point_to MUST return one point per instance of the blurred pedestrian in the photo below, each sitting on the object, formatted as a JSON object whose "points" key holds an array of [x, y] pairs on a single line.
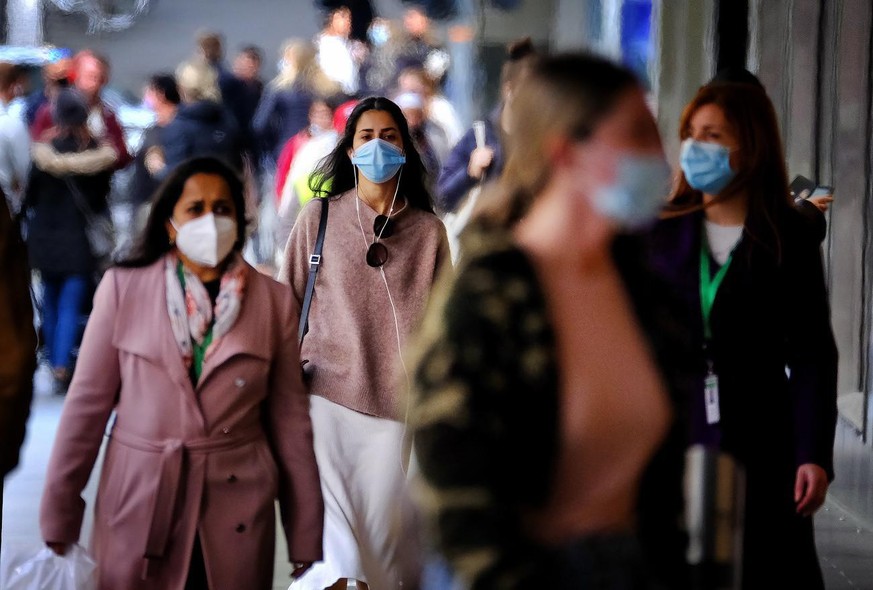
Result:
{"points": [[67, 191], [17, 342], [196, 354], [14, 138], [437, 107], [161, 96], [547, 412], [748, 269], [210, 50], [320, 125], [247, 71], [383, 247], [338, 55], [90, 74], [469, 164], [284, 108], [478, 157], [430, 138], [203, 126], [55, 75], [419, 47], [300, 182]]}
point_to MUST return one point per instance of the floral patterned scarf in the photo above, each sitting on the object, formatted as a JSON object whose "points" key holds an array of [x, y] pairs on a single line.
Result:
{"points": [[190, 309]]}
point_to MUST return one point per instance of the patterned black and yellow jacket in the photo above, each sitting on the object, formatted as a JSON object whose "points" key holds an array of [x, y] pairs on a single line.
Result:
{"points": [[484, 416]]}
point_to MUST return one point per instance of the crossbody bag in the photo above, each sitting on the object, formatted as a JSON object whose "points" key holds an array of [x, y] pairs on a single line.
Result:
{"points": [[314, 264]]}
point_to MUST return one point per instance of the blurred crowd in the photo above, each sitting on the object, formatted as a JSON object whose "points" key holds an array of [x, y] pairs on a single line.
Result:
{"points": [[273, 132]]}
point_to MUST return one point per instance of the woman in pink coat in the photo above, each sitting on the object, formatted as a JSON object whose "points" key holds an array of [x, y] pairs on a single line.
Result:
{"points": [[196, 353]]}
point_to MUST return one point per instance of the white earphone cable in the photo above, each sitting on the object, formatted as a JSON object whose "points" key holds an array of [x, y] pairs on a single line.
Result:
{"points": [[393, 308]]}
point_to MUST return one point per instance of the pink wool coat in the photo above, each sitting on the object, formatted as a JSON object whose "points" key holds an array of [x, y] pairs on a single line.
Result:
{"points": [[183, 460]]}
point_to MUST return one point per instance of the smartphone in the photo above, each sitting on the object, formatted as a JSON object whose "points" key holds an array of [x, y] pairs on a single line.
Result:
{"points": [[821, 191], [802, 187], [479, 133]]}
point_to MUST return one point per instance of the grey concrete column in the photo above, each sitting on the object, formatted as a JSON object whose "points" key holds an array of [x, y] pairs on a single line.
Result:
{"points": [[24, 18], [569, 25], [683, 60]]}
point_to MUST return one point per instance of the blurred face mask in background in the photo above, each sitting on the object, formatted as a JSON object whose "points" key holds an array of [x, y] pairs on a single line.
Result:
{"points": [[378, 34], [707, 166], [206, 240], [638, 192], [378, 160]]}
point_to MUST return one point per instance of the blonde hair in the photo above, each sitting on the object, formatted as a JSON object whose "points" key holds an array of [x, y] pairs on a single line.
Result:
{"points": [[197, 80], [301, 66]]}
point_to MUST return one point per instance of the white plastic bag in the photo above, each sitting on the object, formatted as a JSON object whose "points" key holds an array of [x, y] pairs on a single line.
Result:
{"points": [[45, 570]]}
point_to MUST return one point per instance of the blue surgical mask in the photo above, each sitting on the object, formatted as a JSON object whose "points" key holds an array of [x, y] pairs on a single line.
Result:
{"points": [[378, 34], [378, 160], [707, 166], [638, 192]]}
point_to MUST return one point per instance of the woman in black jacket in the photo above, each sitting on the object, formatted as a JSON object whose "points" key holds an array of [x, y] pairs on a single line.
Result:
{"points": [[69, 182], [748, 267]]}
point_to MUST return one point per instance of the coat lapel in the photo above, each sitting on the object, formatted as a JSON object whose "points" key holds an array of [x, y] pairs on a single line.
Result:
{"points": [[144, 329], [247, 336]]}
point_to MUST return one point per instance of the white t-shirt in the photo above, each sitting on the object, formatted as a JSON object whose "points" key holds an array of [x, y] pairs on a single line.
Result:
{"points": [[336, 61], [722, 239]]}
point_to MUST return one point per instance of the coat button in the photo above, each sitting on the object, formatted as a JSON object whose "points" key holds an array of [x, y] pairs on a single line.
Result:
{"points": [[231, 478], [239, 382], [240, 528]]}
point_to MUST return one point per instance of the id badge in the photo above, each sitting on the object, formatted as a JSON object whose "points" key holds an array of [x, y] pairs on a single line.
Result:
{"points": [[710, 395]]}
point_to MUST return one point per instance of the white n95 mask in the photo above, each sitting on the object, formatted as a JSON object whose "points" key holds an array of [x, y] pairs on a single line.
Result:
{"points": [[206, 240]]}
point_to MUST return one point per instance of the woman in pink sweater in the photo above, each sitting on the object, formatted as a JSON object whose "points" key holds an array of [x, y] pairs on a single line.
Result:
{"points": [[383, 248]]}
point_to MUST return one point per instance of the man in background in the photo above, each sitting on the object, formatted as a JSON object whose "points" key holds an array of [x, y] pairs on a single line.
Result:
{"points": [[90, 75], [161, 96]]}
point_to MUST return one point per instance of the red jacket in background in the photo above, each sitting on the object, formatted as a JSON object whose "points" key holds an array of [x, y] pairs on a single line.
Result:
{"points": [[44, 121]]}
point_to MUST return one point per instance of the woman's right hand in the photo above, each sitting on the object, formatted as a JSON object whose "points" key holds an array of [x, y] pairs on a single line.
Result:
{"points": [[480, 159], [58, 548]]}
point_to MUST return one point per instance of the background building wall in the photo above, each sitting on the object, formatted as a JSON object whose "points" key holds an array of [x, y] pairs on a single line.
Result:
{"points": [[814, 58]]}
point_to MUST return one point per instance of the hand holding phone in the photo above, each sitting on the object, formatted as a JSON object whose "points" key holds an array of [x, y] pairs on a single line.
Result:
{"points": [[821, 196], [802, 187]]}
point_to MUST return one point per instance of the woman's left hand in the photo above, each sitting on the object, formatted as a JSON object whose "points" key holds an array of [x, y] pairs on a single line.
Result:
{"points": [[300, 568], [810, 488]]}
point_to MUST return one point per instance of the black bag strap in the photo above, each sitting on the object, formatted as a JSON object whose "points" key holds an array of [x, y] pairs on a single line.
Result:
{"points": [[80, 201], [314, 263]]}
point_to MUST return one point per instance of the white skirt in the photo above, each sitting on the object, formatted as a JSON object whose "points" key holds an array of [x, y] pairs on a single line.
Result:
{"points": [[370, 527]]}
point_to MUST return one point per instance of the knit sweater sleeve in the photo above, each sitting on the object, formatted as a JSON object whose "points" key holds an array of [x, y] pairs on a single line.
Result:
{"points": [[478, 384]]}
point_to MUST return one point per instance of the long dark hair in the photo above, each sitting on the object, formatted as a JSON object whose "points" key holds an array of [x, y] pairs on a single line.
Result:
{"points": [[563, 94], [762, 175], [155, 241], [335, 174]]}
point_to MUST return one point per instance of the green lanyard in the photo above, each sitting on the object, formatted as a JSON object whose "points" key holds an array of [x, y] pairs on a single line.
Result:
{"points": [[198, 350], [709, 285]]}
